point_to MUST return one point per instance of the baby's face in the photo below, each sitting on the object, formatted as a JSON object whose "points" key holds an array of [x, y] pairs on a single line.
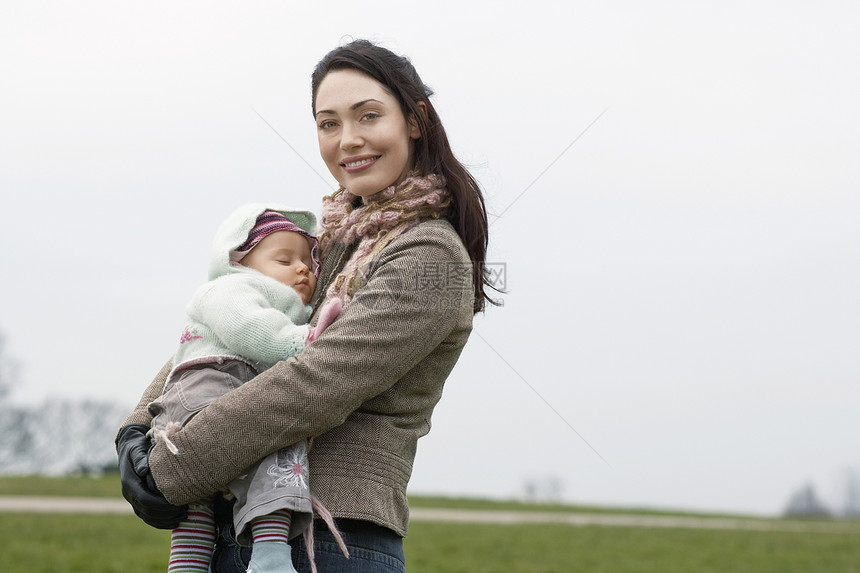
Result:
{"points": [[286, 257]]}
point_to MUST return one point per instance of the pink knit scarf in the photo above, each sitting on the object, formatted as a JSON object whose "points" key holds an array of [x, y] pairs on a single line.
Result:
{"points": [[382, 217]]}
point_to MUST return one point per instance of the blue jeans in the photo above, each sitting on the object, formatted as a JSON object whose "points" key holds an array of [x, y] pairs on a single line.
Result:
{"points": [[372, 549]]}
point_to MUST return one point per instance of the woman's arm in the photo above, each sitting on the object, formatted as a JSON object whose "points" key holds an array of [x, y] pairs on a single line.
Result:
{"points": [[391, 324], [133, 446], [140, 415]]}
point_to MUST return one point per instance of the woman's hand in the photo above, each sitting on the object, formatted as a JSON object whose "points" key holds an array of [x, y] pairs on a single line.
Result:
{"points": [[138, 487]]}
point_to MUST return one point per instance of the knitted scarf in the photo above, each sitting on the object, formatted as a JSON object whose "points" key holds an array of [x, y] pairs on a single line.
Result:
{"points": [[382, 217]]}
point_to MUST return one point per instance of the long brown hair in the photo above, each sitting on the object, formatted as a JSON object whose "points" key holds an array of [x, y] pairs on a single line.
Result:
{"points": [[433, 153]]}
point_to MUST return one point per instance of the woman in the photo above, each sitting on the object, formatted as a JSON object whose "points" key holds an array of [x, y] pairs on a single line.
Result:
{"points": [[404, 244]]}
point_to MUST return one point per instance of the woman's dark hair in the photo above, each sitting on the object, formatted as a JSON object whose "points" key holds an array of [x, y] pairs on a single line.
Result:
{"points": [[433, 153]]}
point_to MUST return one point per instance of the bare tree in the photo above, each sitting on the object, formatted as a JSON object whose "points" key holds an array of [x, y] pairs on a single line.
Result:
{"points": [[805, 503], [75, 436], [61, 436], [851, 494], [8, 371], [15, 442], [547, 489]]}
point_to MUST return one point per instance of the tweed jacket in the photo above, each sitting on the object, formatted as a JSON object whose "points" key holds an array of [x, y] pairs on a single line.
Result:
{"points": [[364, 391]]}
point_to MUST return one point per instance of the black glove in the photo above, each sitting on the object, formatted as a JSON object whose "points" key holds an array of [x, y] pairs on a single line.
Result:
{"points": [[138, 487]]}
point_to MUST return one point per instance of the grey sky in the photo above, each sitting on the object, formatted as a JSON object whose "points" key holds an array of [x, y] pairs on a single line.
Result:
{"points": [[682, 280]]}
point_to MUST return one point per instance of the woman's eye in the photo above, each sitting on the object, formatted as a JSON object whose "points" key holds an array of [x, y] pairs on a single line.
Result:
{"points": [[371, 115], [328, 124]]}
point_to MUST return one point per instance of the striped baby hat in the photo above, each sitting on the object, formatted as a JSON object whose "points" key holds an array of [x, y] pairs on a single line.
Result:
{"points": [[271, 222]]}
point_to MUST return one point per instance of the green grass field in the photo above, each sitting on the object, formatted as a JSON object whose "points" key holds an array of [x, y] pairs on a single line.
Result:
{"points": [[121, 543]]}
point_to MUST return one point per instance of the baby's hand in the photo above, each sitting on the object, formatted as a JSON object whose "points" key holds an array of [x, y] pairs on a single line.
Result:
{"points": [[330, 311]]}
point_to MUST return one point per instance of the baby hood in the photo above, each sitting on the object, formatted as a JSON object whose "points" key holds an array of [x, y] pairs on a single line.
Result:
{"points": [[235, 228]]}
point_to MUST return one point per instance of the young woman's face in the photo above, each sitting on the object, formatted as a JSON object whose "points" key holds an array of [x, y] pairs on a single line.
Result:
{"points": [[365, 140]]}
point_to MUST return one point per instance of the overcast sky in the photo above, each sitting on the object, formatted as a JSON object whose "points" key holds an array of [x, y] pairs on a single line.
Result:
{"points": [[674, 191]]}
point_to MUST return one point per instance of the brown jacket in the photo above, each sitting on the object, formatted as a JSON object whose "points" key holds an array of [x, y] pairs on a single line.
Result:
{"points": [[365, 390]]}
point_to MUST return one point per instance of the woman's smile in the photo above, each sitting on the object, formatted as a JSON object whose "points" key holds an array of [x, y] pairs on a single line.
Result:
{"points": [[357, 164]]}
